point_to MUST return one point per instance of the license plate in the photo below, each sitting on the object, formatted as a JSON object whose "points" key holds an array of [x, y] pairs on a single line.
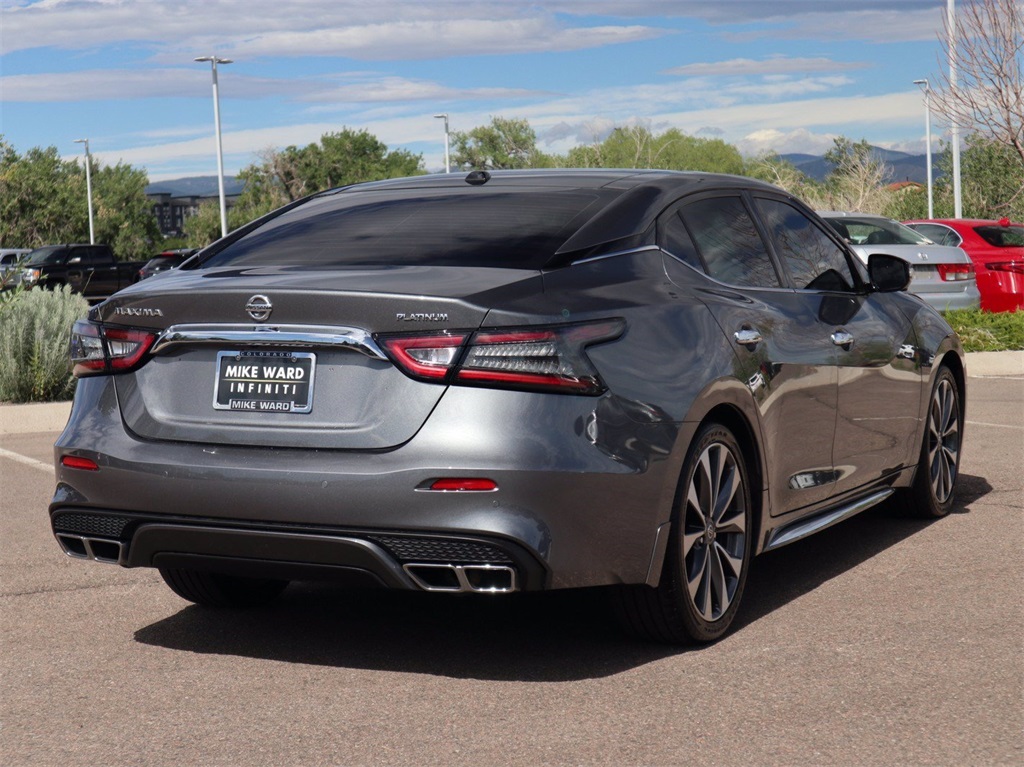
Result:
{"points": [[265, 381]]}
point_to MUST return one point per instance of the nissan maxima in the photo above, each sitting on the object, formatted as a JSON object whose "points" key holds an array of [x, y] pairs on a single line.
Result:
{"points": [[507, 382]]}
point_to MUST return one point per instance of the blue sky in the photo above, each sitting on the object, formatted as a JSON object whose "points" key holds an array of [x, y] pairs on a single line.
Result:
{"points": [[782, 75]]}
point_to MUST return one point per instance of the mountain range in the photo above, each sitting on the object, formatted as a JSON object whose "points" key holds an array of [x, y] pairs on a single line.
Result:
{"points": [[195, 186], [905, 167]]}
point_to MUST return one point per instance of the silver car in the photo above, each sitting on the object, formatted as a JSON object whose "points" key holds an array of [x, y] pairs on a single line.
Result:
{"points": [[505, 382], [942, 275], [10, 266]]}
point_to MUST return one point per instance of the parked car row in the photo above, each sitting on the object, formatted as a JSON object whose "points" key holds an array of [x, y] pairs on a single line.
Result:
{"points": [[91, 270], [942, 275], [997, 250], [162, 262]]}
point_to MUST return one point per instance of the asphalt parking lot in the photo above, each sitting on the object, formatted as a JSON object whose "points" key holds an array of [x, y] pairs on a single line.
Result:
{"points": [[885, 640]]}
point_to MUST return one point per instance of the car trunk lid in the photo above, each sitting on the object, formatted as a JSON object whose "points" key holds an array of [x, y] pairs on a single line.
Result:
{"points": [[280, 357]]}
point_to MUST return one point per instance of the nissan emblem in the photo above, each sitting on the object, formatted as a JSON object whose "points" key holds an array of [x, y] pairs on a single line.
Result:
{"points": [[259, 308]]}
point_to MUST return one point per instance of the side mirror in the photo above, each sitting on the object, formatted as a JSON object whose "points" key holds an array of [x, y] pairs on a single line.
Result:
{"points": [[75, 260], [888, 274]]}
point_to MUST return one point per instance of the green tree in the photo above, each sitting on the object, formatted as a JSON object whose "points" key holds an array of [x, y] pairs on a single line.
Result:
{"points": [[637, 147], [124, 215], [42, 198], [43, 201], [773, 169], [857, 181], [505, 144], [906, 203], [281, 176], [992, 180]]}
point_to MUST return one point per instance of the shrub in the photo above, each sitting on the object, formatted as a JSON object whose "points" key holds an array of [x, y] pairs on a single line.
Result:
{"points": [[988, 331], [35, 329]]}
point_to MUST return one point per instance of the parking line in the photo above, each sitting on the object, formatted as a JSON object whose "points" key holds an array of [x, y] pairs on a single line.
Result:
{"points": [[996, 425], [47, 467]]}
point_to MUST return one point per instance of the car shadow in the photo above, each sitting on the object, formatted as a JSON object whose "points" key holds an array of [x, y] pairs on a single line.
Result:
{"points": [[543, 637]]}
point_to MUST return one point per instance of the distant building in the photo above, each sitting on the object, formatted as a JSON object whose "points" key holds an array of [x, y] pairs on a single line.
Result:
{"points": [[171, 211]]}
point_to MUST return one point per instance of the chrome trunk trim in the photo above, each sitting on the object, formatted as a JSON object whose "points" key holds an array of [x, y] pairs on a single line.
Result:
{"points": [[279, 336]]}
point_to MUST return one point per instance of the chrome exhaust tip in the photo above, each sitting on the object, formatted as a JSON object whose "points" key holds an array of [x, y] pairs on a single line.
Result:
{"points": [[477, 579], [96, 549]]}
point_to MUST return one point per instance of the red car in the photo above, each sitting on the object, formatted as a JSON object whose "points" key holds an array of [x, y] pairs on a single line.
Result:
{"points": [[997, 250]]}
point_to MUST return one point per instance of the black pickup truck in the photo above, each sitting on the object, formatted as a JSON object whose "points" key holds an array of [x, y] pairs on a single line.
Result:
{"points": [[90, 270]]}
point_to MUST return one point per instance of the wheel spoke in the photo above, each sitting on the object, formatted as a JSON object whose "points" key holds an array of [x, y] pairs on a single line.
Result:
{"points": [[717, 587], [689, 539], [735, 563], [694, 507], [726, 493], [697, 583]]}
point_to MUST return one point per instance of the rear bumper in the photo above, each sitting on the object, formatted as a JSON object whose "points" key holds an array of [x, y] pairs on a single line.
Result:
{"points": [[367, 558], [571, 509], [968, 298]]}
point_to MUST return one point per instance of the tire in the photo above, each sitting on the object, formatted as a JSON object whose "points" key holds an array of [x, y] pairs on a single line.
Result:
{"points": [[709, 552], [931, 495], [217, 590]]}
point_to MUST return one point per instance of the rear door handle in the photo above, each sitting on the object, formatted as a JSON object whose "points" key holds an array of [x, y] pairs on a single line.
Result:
{"points": [[842, 338], [747, 337]]}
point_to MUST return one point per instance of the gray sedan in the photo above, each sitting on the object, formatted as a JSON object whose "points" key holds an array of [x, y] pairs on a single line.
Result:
{"points": [[506, 382], [942, 275]]}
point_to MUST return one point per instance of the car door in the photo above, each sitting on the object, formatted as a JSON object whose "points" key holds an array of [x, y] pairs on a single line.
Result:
{"points": [[878, 372], [780, 351]]}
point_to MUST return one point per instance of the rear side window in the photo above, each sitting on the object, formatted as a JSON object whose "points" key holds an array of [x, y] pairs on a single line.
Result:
{"points": [[673, 238], [518, 228], [728, 243], [813, 259], [940, 235]]}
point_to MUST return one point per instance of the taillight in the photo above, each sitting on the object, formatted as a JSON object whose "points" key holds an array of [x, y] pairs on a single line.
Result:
{"points": [[1017, 267], [536, 358], [956, 272], [428, 357], [96, 350]]}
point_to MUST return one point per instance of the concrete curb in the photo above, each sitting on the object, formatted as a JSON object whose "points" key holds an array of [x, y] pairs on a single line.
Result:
{"points": [[52, 416]]}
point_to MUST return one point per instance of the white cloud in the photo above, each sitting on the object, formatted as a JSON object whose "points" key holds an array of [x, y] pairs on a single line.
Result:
{"points": [[98, 85], [772, 65], [800, 141], [369, 89], [102, 84], [392, 29], [434, 39]]}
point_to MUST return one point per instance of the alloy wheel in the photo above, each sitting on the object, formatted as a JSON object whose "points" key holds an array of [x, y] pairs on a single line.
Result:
{"points": [[714, 531], [943, 440]]}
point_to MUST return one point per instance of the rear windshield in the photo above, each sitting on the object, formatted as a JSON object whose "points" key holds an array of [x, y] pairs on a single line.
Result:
{"points": [[512, 228], [876, 231], [1002, 236]]}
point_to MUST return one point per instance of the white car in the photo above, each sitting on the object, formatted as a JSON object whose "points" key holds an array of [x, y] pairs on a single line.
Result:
{"points": [[942, 275]]}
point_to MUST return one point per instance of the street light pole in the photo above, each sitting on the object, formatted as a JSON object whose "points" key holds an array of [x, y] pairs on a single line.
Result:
{"points": [[958, 206], [88, 187], [923, 84], [214, 61], [447, 161]]}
